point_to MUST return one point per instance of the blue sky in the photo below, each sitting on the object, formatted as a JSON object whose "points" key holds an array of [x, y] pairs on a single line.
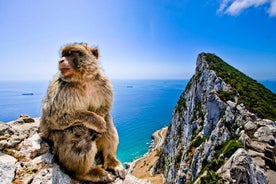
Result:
{"points": [[137, 39]]}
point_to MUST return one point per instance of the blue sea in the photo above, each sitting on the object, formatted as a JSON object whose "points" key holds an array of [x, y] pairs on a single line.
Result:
{"points": [[140, 108]]}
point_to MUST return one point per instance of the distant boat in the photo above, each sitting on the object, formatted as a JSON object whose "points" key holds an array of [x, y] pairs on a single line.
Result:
{"points": [[129, 86], [27, 93]]}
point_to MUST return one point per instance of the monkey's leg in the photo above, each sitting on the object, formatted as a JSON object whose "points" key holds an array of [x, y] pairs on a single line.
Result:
{"points": [[85, 170], [76, 153], [107, 144]]}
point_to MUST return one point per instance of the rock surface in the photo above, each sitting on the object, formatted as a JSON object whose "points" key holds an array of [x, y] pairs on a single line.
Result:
{"points": [[7, 168], [25, 158], [241, 168], [206, 131]]}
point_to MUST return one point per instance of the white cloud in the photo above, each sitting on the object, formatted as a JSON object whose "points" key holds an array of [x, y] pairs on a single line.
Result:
{"points": [[235, 7], [239, 5], [223, 5], [272, 8]]}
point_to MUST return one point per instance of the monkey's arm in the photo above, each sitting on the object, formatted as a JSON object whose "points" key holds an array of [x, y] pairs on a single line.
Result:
{"points": [[86, 118], [43, 128]]}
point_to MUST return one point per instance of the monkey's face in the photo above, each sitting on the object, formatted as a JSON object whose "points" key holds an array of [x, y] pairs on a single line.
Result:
{"points": [[69, 64], [77, 61]]}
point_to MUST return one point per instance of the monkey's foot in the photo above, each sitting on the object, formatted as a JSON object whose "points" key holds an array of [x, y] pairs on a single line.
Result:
{"points": [[114, 165], [97, 175], [120, 171]]}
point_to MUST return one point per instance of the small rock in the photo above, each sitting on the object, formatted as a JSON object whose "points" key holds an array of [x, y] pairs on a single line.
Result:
{"points": [[7, 168], [44, 176], [8, 136], [23, 118], [245, 139], [250, 126], [231, 104], [265, 134], [240, 108]]}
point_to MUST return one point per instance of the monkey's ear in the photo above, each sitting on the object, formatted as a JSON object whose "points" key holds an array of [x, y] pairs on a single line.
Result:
{"points": [[95, 52]]}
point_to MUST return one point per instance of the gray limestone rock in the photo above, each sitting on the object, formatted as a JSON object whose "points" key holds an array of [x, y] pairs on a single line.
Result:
{"points": [[7, 168], [266, 133], [34, 163], [241, 168], [201, 126]]}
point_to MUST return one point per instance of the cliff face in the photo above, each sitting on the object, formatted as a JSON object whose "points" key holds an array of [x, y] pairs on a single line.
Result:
{"points": [[213, 136]]}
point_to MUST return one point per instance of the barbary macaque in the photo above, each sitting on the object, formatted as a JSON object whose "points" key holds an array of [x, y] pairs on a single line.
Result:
{"points": [[76, 116]]}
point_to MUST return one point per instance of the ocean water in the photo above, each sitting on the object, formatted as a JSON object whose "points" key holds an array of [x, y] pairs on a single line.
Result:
{"points": [[140, 108]]}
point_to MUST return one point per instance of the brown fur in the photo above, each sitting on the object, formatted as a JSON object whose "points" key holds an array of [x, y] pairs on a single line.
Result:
{"points": [[76, 116]]}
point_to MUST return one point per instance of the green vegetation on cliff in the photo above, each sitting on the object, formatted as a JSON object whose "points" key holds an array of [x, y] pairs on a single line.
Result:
{"points": [[252, 94]]}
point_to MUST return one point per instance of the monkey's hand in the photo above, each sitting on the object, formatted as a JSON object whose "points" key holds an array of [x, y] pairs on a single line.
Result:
{"points": [[88, 119]]}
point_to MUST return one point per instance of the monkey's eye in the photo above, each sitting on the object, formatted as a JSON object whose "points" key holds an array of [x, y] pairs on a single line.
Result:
{"points": [[79, 53], [72, 52], [67, 54]]}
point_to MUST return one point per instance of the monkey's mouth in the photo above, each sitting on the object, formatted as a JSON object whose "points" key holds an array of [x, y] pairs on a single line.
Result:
{"points": [[64, 68], [66, 71]]}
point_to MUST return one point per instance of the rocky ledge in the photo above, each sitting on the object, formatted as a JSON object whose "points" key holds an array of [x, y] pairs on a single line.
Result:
{"points": [[25, 158]]}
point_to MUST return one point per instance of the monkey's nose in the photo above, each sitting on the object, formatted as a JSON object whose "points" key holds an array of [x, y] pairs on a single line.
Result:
{"points": [[61, 61]]}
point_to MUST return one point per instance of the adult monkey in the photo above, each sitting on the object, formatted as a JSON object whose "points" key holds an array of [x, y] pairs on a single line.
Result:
{"points": [[76, 116]]}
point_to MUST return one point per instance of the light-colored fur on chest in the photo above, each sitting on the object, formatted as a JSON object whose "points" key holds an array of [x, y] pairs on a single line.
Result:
{"points": [[90, 96], [97, 94], [67, 98]]}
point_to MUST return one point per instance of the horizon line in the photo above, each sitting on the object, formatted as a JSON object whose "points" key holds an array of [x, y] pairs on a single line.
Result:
{"points": [[34, 80]]}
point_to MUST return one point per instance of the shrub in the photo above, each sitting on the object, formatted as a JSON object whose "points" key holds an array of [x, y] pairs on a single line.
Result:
{"points": [[211, 178], [226, 95], [230, 147], [181, 104], [252, 94]]}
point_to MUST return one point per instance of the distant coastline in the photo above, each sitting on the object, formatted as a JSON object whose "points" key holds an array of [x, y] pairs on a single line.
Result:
{"points": [[141, 170]]}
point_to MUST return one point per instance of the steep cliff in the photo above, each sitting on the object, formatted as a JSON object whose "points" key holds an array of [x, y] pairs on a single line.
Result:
{"points": [[217, 132]]}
